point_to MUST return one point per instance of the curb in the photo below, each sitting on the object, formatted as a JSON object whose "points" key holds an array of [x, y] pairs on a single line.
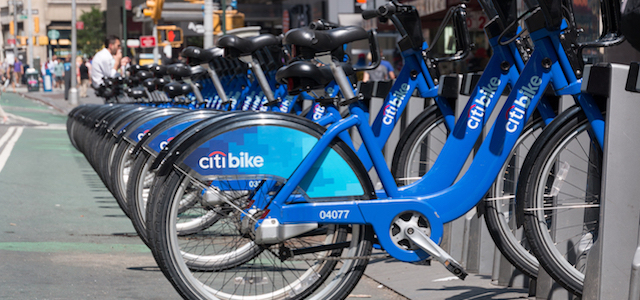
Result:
{"points": [[48, 103]]}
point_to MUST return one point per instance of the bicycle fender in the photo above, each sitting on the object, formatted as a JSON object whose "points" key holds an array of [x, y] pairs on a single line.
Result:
{"points": [[274, 145]]}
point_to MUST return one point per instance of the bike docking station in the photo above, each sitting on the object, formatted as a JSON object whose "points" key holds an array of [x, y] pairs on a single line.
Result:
{"points": [[613, 263]]}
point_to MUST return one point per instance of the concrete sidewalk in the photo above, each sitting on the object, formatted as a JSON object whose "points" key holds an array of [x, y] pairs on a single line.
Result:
{"points": [[385, 278], [56, 99]]}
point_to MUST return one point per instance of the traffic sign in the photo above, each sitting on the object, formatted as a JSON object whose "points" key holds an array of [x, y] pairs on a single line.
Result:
{"points": [[53, 34], [147, 41], [79, 25], [133, 43], [11, 41]]}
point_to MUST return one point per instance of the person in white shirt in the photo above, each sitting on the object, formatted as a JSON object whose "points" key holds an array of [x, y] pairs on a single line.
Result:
{"points": [[107, 61]]}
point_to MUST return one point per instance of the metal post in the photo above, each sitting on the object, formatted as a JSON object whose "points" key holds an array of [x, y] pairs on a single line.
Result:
{"points": [[223, 17], [124, 28], [73, 91], [15, 30], [155, 49], [609, 265], [208, 24], [30, 36]]}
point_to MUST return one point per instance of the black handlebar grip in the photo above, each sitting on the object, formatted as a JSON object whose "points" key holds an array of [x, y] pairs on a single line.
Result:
{"points": [[369, 14]]}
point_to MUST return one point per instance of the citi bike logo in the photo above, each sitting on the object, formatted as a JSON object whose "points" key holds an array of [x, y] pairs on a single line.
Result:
{"points": [[248, 101], [477, 109], [391, 109], [318, 112], [517, 111], [258, 101], [165, 143], [284, 106], [221, 160], [141, 134]]}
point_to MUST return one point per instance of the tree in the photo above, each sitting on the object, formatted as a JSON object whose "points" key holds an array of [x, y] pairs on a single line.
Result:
{"points": [[91, 38]]}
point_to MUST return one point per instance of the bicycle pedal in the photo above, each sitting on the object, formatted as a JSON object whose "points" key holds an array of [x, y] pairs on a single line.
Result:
{"points": [[455, 268]]}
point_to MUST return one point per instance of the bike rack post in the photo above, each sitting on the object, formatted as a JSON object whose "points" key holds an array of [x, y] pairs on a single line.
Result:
{"points": [[609, 265], [633, 85]]}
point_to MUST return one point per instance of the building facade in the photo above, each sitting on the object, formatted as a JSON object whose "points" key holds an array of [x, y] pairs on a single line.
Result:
{"points": [[46, 16]]}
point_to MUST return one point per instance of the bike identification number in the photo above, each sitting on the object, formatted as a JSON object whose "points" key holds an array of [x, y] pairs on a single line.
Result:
{"points": [[334, 214]]}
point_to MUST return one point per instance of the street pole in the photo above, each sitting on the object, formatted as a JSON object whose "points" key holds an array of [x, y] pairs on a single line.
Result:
{"points": [[155, 49], [30, 36], [124, 28], [208, 24], [73, 92], [223, 22], [15, 29]]}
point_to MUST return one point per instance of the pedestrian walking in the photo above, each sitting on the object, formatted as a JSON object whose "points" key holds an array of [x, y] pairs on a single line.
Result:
{"points": [[58, 73], [83, 76], [18, 70]]}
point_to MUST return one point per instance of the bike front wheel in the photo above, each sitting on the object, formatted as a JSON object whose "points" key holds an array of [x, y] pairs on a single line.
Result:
{"points": [[561, 191], [500, 210]]}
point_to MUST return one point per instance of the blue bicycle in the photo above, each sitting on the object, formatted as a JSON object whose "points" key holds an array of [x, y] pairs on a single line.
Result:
{"points": [[304, 213]]}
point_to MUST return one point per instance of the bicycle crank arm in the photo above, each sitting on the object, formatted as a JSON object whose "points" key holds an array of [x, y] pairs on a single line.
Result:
{"points": [[425, 243]]}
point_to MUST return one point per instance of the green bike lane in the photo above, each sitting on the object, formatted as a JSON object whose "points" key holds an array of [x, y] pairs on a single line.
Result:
{"points": [[62, 235]]}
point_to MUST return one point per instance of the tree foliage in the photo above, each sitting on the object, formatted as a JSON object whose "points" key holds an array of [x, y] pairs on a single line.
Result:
{"points": [[91, 38]]}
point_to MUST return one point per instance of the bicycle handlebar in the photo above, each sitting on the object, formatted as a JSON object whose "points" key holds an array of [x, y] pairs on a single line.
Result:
{"points": [[375, 52], [386, 11]]}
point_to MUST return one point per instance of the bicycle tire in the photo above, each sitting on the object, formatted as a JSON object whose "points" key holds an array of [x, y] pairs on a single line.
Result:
{"points": [[499, 210], [405, 166], [120, 173], [137, 192], [291, 283], [564, 149]]}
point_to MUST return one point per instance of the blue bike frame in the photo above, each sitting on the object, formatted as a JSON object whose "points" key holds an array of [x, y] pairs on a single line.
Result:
{"points": [[450, 203]]}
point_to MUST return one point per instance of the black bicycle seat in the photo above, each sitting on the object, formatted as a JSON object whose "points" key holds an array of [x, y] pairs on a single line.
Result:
{"points": [[197, 71], [196, 55], [158, 70], [136, 92], [133, 69], [303, 76], [235, 46], [179, 70], [175, 89], [161, 82], [324, 40], [150, 84], [144, 75], [131, 81]]}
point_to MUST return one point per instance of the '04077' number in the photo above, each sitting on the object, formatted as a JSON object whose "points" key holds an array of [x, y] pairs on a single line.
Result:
{"points": [[334, 214]]}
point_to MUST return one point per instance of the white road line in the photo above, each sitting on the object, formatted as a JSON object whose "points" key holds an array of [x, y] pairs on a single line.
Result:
{"points": [[6, 136], [26, 120], [51, 127], [4, 155]]}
